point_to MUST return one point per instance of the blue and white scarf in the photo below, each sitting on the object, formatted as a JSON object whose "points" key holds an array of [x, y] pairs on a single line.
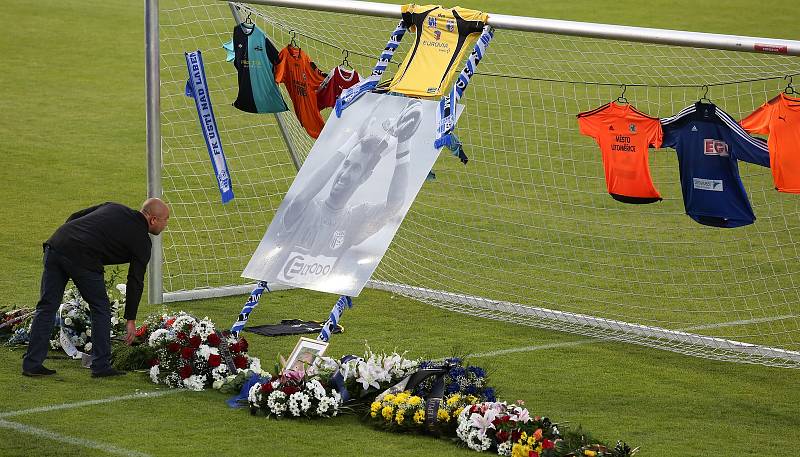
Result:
{"points": [[333, 318], [248, 307], [446, 114], [197, 88]]}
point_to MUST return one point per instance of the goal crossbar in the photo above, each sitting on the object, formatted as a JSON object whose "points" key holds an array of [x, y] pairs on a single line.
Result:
{"points": [[572, 28]]}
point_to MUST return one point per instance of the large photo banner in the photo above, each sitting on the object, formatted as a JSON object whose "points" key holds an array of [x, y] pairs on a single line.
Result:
{"points": [[350, 196]]}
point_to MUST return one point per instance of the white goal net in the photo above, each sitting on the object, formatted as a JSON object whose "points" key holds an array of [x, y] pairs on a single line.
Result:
{"points": [[525, 232]]}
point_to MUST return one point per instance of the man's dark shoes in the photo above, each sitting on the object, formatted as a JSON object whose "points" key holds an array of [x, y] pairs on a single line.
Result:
{"points": [[108, 373], [40, 371]]}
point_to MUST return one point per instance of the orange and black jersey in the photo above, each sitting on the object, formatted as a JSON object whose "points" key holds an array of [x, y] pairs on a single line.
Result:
{"points": [[624, 134]]}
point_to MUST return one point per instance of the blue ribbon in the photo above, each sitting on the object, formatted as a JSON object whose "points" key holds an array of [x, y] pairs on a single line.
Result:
{"points": [[337, 380], [240, 400], [248, 307], [333, 319], [197, 88]]}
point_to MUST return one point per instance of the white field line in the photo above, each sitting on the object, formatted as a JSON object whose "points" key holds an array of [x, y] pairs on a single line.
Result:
{"points": [[534, 348], [44, 409], [757, 320], [42, 433], [595, 340]]}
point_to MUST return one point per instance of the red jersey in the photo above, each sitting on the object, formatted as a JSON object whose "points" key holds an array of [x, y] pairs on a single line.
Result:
{"points": [[624, 134], [302, 78], [780, 119], [338, 80]]}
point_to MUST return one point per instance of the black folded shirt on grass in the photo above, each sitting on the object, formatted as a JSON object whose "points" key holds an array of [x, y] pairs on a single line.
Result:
{"points": [[290, 327]]}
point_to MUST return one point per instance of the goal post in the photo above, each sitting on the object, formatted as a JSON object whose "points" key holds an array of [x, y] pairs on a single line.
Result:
{"points": [[526, 231], [153, 122]]}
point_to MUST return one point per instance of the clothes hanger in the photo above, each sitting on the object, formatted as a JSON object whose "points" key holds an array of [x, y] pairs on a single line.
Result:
{"points": [[248, 22], [621, 98], [247, 25], [704, 98], [789, 88], [344, 61], [292, 42]]}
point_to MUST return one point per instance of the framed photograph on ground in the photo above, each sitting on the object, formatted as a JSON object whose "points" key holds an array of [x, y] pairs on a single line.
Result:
{"points": [[304, 353]]}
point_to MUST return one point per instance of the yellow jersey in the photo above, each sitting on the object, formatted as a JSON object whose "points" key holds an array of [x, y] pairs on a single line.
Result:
{"points": [[443, 36]]}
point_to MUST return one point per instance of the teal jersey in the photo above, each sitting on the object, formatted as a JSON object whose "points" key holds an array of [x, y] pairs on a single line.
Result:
{"points": [[254, 57]]}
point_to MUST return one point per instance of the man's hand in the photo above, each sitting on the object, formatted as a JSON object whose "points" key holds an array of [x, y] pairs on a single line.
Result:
{"points": [[408, 121], [130, 334]]}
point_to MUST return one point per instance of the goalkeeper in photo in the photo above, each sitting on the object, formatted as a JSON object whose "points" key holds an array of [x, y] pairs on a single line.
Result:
{"points": [[340, 204]]}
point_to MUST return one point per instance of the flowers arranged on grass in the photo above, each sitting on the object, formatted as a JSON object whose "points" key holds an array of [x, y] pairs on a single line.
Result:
{"points": [[190, 353], [76, 321], [14, 326], [9, 318], [431, 398], [362, 377], [444, 397], [323, 387], [294, 394], [468, 412], [467, 380], [509, 429], [405, 411], [74, 318], [233, 383]]}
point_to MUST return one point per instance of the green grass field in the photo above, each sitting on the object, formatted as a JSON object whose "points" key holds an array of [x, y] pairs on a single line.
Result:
{"points": [[528, 220], [74, 135]]}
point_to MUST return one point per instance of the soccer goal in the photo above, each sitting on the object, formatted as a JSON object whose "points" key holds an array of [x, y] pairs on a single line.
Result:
{"points": [[525, 231]]}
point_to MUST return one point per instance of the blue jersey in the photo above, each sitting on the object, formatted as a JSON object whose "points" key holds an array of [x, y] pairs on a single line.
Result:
{"points": [[709, 142]]}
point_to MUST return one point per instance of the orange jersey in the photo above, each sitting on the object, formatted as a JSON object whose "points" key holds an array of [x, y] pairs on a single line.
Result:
{"points": [[780, 119], [302, 78], [624, 134]]}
